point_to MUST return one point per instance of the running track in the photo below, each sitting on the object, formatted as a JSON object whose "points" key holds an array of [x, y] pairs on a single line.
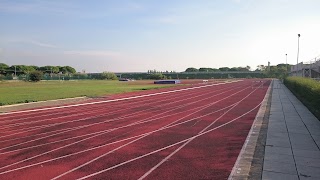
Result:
{"points": [[193, 132]]}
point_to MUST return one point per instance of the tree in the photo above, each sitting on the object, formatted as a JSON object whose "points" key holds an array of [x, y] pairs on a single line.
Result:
{"points": [[224, 69], [22, 69], [63, 69], [234, 69], [35, 76], [191, 69], [3, 68], [157, 76], [204, 69], [70, 69], [50, 69], [108, 76], [260, 68]]}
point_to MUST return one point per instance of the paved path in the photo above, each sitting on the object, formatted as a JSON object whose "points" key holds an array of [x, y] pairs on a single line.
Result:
{"points": [[293, 139]]}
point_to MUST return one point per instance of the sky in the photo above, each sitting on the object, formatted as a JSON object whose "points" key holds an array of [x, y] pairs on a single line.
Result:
{"points": [[142, 35]]}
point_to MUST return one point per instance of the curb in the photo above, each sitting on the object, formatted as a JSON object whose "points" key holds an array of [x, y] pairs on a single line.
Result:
{"points": [[38, 102], [242, 167]]}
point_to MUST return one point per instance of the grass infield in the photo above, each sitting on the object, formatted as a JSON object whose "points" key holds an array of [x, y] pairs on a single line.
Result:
{"points": [[14, 92]]}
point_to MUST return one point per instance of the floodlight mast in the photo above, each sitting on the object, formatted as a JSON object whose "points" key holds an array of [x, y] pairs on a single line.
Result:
{"points": [[286, 64], [298, 55]]}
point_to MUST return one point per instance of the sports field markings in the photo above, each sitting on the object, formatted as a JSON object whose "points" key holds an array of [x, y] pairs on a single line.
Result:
{"points": [[138, 122], [91, 112], [115, 100], [235, 170], [112, 129], [105, 131], [92, 124], [104, 145], [99, 157], [187, 142], [72, 111], [164, 148]]}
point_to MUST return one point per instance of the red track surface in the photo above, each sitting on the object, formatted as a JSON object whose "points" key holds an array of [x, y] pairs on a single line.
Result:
{"points": [[194, 133]]}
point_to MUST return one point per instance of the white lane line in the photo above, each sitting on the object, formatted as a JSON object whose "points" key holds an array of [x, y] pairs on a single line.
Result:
{"points": [[187, 142], [163, 104], [166, 147], [99, 157], [77, 110], [104, 145], [237, 164], [143, 136], [30, 158], [114, 100], [106, 131], [92, 124]]}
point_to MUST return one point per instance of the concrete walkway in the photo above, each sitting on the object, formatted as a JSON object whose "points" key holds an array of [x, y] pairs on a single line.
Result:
{"points": [[293, 139]]}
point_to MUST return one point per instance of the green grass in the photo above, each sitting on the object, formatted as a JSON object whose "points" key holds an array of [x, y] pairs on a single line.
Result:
{"points": [[20, 92]]}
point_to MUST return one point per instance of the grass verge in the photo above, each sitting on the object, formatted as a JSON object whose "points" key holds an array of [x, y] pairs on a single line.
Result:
{"points": [[307, 91], [12, 92]]}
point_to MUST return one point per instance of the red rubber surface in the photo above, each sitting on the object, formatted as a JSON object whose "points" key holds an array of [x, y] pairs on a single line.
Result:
{"points": [[188, 134]]}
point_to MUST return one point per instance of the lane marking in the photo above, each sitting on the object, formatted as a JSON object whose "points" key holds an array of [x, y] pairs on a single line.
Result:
{"points": [[110, 120], [166, 147], [187, 142], [72, 111], [78, 167], [115, 100], [75, 112], [236, 170], [111, 129], [141, 122]]}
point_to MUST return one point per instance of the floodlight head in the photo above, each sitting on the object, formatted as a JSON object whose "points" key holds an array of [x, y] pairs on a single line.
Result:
{"points": [[298, 35]]}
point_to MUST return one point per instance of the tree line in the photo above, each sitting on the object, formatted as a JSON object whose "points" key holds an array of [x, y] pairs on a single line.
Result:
{"points": [[277, 71], [25, 69], [223, 69]]}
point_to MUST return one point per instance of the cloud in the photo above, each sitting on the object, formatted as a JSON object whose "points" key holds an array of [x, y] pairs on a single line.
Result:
{"points": [[93, 53], [33, 42], [41, 44]]}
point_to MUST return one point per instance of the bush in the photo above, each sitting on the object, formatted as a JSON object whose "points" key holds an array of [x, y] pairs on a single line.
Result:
{"points": [[35, 76], [157, 76], [108, 75], [307, 90]]}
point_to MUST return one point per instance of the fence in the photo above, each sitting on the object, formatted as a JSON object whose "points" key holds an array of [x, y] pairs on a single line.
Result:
{"points": [[310, 69]]}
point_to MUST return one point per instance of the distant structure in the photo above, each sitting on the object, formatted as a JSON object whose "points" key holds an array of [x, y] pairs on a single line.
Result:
{"points": [[309, 70]]}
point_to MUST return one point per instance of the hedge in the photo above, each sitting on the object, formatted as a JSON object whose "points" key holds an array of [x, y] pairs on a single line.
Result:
{"points": [[307, 90]]}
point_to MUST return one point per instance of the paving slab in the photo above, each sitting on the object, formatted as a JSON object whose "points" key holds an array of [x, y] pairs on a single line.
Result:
{"points": [[278, 150], [307, 171], [278, 176], [293, 139], [280, 167], [307, 161], [306, 153]]}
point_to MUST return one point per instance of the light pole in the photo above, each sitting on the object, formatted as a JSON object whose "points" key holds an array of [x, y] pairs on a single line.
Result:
{"points": [[298, 55], [15, 71], [286, 64]]}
